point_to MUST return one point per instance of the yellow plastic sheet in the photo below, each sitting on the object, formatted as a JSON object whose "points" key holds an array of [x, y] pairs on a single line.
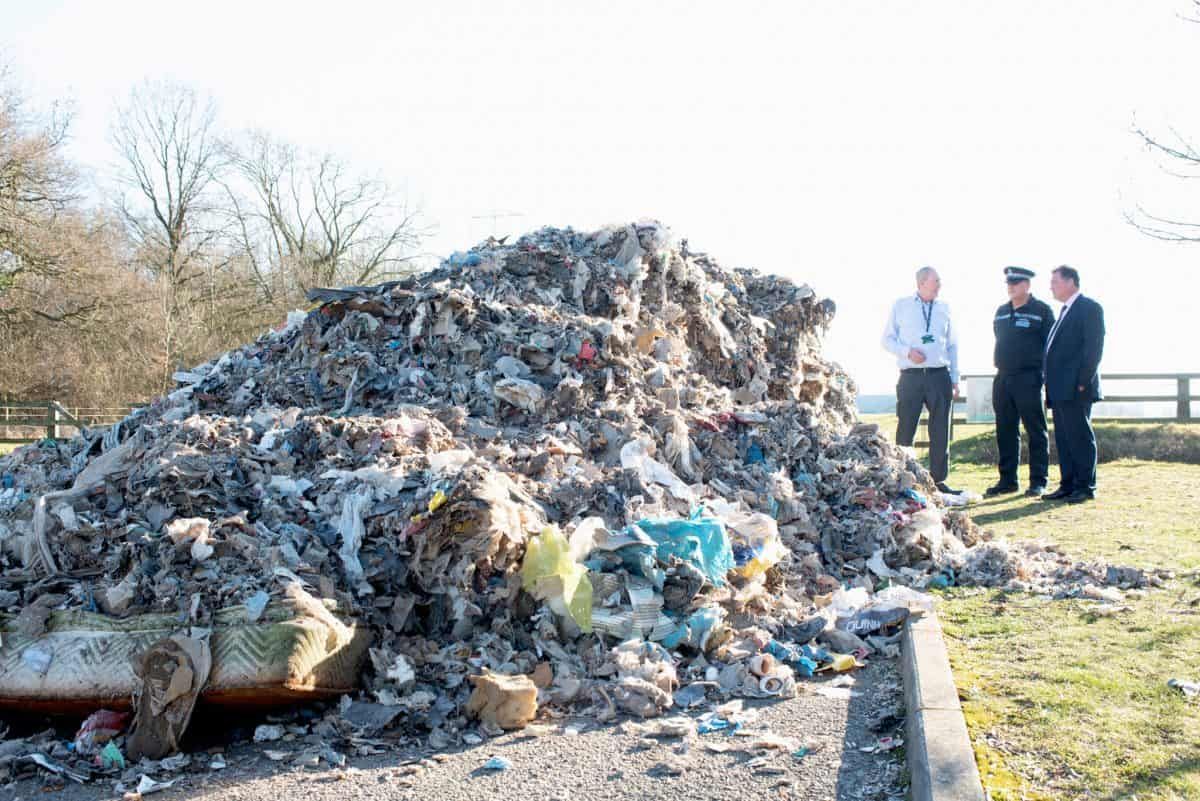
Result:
{"points": [[550, 574]]}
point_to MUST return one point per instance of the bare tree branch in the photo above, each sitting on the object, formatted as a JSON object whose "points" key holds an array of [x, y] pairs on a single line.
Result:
{"points": [[312, 222], [170, 160]]}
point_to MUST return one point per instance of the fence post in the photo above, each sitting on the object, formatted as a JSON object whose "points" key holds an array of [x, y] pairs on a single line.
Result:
{"points": [[1183, 399], [51, 419]]}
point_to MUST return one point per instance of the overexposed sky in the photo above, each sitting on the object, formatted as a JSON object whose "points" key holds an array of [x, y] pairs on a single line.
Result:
{"points": [[843, 144]]}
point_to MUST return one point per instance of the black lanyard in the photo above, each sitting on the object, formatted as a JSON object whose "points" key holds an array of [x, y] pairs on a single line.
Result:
{"points": [[926, 312]]}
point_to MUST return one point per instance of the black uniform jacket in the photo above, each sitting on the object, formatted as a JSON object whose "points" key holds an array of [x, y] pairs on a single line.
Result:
{"points": [[1021, 336]]}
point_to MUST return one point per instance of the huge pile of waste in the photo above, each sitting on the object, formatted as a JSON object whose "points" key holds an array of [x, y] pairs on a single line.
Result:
{"points": [[578, 468]]}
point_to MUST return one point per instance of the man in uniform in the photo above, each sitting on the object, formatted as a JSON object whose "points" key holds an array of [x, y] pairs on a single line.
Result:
{"points": [[1021, 328], [919, 334]]}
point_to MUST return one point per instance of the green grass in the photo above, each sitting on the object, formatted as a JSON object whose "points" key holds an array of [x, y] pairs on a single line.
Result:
{"points": [[1147, 513], [1062, 704], [1158, 442]]}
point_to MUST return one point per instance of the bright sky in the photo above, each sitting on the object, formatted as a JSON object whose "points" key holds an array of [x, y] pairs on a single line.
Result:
{"points": [[841, 144]]}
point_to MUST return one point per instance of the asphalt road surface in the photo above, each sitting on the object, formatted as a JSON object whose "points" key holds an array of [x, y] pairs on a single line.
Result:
{"points": [[837, 755]]}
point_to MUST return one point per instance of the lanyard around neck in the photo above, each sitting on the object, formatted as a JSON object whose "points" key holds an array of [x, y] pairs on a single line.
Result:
{"points": [[926, 312]]}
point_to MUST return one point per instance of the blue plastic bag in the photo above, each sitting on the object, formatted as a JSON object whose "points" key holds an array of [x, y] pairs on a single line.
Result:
{"points": [[696, 629], [460, 259], [701, 541]]}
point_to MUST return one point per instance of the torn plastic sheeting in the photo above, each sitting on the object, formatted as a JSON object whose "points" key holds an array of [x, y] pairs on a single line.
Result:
{"points": [[698, 630], [352, 531], [387, 481], [451, 460], [111, 757], [255, 605], [702, 541], [803, 659], [523, 394], [290, 487], [148, 786], [635, 456], [551, 575], [629, 258], [905, 596], [846, 602]]}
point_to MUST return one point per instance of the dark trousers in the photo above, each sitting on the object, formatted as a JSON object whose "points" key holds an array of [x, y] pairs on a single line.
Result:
{"points": [[1017, 400], [1076, 443], [930, 389]]}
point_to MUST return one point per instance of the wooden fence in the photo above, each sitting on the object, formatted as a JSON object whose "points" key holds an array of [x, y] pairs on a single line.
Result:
{"points": [[30, 421]]}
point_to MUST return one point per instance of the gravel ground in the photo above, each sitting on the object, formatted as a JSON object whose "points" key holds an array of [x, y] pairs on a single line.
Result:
{"points": [[577, 759]]}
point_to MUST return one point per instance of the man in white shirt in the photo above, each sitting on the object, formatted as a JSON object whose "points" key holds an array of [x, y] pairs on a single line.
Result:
{"points": [[921, 337]]}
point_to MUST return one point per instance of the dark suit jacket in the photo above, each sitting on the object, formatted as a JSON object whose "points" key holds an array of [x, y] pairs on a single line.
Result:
{"points": [[1073, 360]]}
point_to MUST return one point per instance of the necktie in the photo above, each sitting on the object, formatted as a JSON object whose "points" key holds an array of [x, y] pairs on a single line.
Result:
{"points": [[1054, 329]]}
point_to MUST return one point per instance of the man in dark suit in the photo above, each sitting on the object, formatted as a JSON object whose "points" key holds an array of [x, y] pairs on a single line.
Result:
{"points": [[1073, 352]]}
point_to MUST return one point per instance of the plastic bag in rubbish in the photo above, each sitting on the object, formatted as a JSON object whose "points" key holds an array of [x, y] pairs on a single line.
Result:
{"points": [[551, 575], [756, 544], [802, 659], [636, 456], [698, 630], [905, 596], [873, 618], [702, 541], [845, 603], [351, 528], [520, 393]]}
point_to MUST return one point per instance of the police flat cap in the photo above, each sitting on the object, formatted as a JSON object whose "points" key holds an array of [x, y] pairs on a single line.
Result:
{"points": [[1015, 274]]}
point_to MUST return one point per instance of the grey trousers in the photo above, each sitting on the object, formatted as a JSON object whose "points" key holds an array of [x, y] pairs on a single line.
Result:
{"points": [[930, 389]]}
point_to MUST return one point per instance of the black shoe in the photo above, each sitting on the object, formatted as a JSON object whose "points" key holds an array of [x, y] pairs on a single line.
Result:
{"points": [[1002, 488], [942, 488], [1035, 491], [1081, 496], [1059, 494]]}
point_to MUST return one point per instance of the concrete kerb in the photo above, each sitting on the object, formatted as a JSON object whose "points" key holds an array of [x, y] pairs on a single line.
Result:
{"points": [[941, 763]]}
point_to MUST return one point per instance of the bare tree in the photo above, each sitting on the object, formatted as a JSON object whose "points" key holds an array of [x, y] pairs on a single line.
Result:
{"points": [[169, 158], [302, 221], [1180, 159], [38, 185]]}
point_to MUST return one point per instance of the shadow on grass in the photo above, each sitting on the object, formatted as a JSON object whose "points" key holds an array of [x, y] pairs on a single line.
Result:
{"points": [[1015, 513], [1147, 780]]}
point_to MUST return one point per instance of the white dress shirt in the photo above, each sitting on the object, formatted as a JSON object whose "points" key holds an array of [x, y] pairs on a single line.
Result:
{"points": [[912, 320]]}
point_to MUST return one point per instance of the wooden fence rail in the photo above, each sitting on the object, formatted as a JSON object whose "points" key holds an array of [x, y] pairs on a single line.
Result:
{"points": [[53, 418]]}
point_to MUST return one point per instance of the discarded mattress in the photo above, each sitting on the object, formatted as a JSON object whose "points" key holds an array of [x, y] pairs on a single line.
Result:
{"points": [[85, 661]]}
